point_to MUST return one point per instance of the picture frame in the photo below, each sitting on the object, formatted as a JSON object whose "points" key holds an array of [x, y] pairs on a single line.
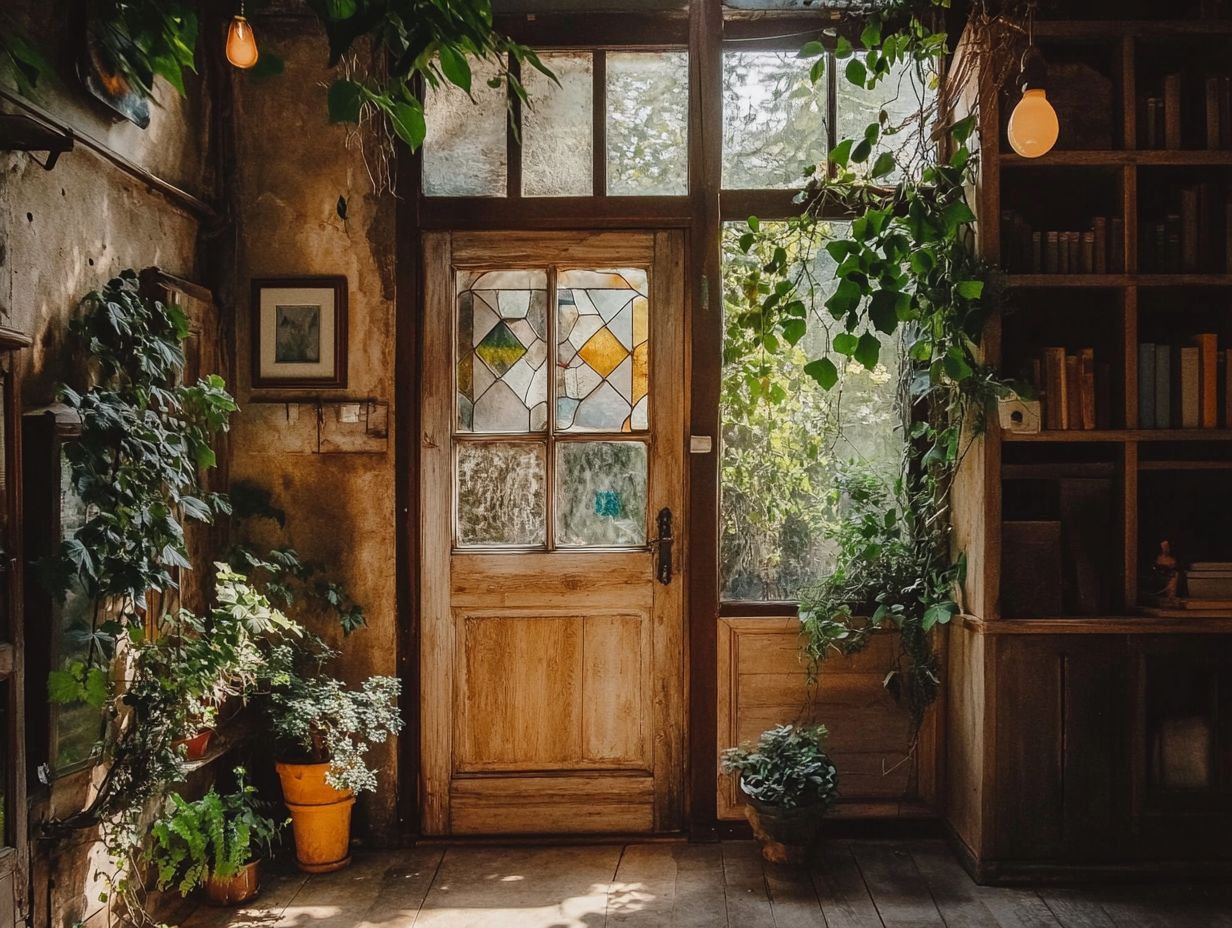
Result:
{"points": [[299, 332]]}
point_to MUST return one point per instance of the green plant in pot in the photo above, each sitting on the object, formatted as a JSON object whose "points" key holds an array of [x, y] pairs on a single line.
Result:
{"points": [[217, 842], [789, 782], [325, 730]]}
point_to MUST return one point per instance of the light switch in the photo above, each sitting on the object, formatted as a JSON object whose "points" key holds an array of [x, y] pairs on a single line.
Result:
{"points": [[700, 444]]}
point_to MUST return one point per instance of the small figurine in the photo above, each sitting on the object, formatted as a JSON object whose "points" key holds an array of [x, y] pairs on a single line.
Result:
{"points": [[1166, 572]]}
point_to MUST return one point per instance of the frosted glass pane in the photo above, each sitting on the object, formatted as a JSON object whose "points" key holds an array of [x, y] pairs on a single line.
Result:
{"points": [[600, 493], [901, 94], [502, 351], [464, 154], [779, 462], [774, 120], [557, 131], [602, 350], [501, 493], [648, 123]]}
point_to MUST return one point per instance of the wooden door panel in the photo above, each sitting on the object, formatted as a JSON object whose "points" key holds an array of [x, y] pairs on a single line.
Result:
{"points": [[552, 676]]}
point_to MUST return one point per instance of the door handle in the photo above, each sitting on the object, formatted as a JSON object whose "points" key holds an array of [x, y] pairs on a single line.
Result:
{"points": [[663, 547]]}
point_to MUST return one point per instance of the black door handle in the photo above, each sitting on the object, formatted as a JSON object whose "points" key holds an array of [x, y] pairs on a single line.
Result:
{"points": [[664, 546]]}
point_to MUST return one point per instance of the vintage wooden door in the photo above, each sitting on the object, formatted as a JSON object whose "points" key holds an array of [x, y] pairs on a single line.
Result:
{"points": [[553, 398]]}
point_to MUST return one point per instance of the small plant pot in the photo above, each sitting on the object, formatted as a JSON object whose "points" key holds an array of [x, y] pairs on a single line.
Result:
{"points": [[234, 890], [786, 836], [320, 817], [197, 745]]}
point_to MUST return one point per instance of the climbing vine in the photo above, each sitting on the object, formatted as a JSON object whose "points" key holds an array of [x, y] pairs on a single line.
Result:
{"points": [[907, 279]]}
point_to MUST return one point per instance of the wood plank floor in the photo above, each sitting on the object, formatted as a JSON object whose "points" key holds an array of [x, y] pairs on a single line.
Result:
{"points": [[855, 884]]}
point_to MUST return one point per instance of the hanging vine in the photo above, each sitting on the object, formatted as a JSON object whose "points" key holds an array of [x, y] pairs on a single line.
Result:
{"points": [[907, 279]]}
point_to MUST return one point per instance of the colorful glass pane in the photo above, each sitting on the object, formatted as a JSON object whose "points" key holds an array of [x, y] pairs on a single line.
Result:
{"points": [[602, 350], [600, 493], [502, 351], [501, 493]]}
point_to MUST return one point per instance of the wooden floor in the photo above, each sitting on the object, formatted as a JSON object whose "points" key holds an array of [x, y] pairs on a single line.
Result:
{"points": [[857, 884]]}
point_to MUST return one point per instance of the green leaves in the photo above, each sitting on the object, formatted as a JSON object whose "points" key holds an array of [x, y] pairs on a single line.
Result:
{"points": [[455, 68], [823, 371], [344, 100], [78, 683]]}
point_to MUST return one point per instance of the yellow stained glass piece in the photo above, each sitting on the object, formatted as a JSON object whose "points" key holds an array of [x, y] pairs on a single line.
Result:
{"points": [[641, 371], [641, 320], [603, 352]]}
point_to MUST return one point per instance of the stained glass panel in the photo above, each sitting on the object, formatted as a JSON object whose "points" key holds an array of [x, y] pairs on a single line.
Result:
{"points": [[501, 493], [600, 493], [648, 123], [557, 139], [602, 350], [502, 352], [465, 153]]}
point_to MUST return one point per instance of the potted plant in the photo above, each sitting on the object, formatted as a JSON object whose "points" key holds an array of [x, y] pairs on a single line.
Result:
{"points": [[788, 783], [216, 842], [325, 730]]}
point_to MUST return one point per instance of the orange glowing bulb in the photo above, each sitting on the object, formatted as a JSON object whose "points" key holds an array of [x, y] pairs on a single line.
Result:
{"points": [[1033, 127], [241, 43]]}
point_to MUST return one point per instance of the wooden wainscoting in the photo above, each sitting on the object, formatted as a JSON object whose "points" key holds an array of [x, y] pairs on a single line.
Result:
{"points": [[763, 682]]}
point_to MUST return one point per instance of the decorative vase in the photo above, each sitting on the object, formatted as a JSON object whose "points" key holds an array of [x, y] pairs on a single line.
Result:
{"points": [[197, 745], [234, 890], [786, 836], [320, 817]]}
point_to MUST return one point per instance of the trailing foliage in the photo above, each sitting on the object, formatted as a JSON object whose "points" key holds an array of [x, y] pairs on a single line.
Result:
{"points": [[139, 39], [907, 278], [789, 767], [214, 836]]}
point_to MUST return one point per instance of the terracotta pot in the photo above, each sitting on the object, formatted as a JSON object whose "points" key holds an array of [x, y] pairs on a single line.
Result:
{"points": [[197, 745], [320, 817], [236, 889], [786, 836]]}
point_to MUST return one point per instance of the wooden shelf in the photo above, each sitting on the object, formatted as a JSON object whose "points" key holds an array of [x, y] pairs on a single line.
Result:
{"points": [[1147, 28], [1090, 435], [1121, 158], [1113, 281], [1189, 624]]}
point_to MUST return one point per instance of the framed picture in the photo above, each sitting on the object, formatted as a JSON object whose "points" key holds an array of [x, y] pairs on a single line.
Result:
{"points": [[299, 332]]}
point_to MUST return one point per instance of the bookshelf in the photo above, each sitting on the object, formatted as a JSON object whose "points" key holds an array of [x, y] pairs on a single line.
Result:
{"points": [[1063, 700]]}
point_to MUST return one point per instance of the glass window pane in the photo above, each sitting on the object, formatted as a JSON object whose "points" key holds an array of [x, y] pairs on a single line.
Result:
{"points": [[500, 497], [779, 459], [557, 130], [600, 493], [902, 94], [465, 154], [774, 119], [502, 353], [648, 123], [602, 350]]}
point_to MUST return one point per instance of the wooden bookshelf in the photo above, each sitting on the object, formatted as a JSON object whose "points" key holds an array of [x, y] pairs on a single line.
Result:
{"points": [[1054, 719]]}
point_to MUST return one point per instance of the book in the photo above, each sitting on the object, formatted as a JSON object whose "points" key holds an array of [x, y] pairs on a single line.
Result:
{"points": [[1087, 264], [1172, 112], [1055, 401], [1163, 386], [1208, 378], [1037, 252], [1100, 224], [1085, 507], [1189, 230], [1213, 91], [1086, 387], [1190, 388], [1073, 392], [1064, 255], [1152, 122], [1116, 245], [1146, 385], [1052, 252]]}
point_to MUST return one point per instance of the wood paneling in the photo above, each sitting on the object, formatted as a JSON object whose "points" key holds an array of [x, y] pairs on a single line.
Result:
{"points": [[763, 682], [596, 804]]}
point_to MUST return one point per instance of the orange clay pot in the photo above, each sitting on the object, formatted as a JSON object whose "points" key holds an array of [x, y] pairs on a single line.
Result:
{"points": [[320, 817], [196, 746], [236, 889]]}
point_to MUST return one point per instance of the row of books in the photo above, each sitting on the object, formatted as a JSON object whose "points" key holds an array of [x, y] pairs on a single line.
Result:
{"points": [[1099, 249], [1161, 115], [1196, 235], [1075, 390], [1179, 384]]}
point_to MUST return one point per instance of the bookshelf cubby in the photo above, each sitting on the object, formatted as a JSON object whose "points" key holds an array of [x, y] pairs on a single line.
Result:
{"points": [[1078, 696]]}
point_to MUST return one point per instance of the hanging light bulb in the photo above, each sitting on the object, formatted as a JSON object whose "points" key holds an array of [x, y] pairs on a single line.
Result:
{"points": [[241, 43], [1033, 127]]}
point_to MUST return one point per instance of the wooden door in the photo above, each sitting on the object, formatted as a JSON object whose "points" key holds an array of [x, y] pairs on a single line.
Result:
{"points": [[553, 399]]}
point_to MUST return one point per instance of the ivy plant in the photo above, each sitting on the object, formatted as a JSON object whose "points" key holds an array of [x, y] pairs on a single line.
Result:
{"points": [[907, 278], [788, 767]]}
